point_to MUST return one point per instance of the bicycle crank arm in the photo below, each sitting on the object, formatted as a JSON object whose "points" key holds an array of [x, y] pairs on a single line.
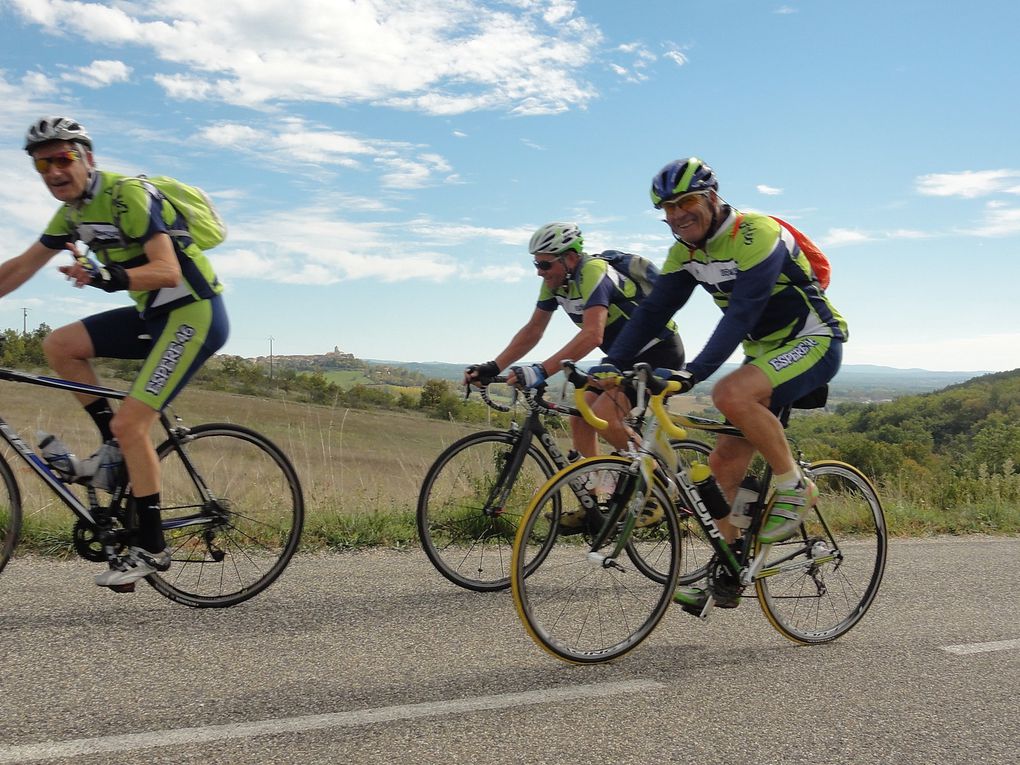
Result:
{"points": [[598, 560]]}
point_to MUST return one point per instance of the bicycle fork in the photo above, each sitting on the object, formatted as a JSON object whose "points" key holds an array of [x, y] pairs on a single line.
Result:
{"points": [[626, 502]]}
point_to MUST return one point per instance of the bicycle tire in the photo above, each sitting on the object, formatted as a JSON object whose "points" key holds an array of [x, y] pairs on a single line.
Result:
{"points": [[573, 606], [467, 542], [695, 549], [819, 584], [10, 513], [242, 538]]}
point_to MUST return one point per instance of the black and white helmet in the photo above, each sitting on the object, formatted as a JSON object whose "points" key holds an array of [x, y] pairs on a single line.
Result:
{"points": [[56, 129], [556, 239]]}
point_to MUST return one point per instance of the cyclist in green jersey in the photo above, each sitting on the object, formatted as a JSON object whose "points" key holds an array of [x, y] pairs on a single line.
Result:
{"points": [[599, 300], [772, 303], [177, 322]]}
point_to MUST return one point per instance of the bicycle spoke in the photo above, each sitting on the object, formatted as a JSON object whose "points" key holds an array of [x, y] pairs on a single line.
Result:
{"points": [[252, 528], [817, 588]]}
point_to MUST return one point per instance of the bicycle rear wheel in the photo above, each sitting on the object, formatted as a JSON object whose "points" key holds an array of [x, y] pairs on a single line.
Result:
{"points": [[817, 585], [10, 513], [464, 530], [696, 550], [232, 515], [573, 602]]}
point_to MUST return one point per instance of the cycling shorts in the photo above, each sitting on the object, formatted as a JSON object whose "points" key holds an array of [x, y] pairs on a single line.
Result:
{"points": [[800, 367], [174, 345]]}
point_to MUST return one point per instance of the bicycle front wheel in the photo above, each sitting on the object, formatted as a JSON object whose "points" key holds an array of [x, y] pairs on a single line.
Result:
{"points": [[10, 513], [232, 515], [587, 605], [469, 507], [697, 551], [817, 585]]}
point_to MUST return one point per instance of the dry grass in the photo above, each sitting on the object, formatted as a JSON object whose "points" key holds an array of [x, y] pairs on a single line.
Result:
{"points": [[356, 467]]}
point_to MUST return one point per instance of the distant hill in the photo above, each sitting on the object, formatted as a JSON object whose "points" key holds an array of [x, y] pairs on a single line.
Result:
{"points": [[858, 382], [939, 434]]}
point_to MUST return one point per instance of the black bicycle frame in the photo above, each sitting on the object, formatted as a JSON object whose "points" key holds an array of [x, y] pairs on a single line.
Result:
{"points": [[37, 463], [51, 479]]}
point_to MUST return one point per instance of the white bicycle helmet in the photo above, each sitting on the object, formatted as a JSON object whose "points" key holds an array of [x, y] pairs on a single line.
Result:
{"points": [[556, 239], [56, 129]]}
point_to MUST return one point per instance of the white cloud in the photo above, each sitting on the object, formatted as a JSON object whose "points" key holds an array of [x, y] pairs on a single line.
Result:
{"points": [[404, 165], [505, 273], [771, 191], [999, 221], [439, 57], [314, 246], [841, 236], [784, 10], [675, 55], [99, 74], [968, 183]]}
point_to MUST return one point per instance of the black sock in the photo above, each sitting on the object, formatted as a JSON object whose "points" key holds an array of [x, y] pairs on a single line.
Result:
{"points": [[101, 414], [150, 523]]}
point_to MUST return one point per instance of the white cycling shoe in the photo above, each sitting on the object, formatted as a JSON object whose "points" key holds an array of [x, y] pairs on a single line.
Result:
{"points": [[136, 564]]}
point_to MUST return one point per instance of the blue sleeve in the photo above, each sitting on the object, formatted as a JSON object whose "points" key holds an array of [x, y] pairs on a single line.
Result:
{"points": [[670, 293], [752, 290]]}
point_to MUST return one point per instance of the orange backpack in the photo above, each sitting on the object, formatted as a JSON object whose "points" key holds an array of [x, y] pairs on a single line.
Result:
{"points": [[819, 263]]}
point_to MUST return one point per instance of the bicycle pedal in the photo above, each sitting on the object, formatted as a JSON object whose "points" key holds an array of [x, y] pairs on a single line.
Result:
{"points": [[129, 587], [703, 612]]}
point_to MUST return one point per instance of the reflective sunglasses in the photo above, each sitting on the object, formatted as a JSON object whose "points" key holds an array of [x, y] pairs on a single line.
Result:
{"points": [[685, 202], [61, 161], [545, 265]]}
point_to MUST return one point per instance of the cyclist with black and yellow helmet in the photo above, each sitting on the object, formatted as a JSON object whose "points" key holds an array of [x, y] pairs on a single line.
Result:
{"points": [[772, 304]]}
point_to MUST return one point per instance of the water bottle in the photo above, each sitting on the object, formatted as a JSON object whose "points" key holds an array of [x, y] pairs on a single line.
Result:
{"points": [[709, 490], [58, 456], [743, 503]]}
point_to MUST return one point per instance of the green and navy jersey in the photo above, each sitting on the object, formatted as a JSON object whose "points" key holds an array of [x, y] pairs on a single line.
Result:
{"points": [[755, 272], [596, 283], [142, 215]]}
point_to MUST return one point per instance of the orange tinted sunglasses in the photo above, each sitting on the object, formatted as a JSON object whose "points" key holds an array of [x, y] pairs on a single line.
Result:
{"points": [[685, 202], [61, 161]]}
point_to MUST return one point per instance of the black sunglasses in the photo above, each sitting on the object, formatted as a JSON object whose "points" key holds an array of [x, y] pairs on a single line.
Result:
{"points": [[545, 265]]}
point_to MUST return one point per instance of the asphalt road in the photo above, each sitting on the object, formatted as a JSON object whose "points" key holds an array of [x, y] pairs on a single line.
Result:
{"points": [[374, 658]]}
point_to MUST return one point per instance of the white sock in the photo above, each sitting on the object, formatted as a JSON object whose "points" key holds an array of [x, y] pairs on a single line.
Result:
{"points": [[788, 480]]}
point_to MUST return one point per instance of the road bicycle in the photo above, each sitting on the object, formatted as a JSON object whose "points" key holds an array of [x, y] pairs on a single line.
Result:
{"points": [[232, 506], [590, 604], [474, 494]]}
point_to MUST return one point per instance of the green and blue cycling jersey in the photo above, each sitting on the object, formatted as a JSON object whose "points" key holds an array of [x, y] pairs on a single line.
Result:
{"points": [[142, 215], [756, 273], [595, 283]]}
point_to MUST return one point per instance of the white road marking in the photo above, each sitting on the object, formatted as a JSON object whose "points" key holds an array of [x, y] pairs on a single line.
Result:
{"points": [[201, 735], [969, 648]]}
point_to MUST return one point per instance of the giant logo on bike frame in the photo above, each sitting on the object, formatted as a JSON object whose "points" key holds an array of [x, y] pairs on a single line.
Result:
{"points": [[171, 357]]}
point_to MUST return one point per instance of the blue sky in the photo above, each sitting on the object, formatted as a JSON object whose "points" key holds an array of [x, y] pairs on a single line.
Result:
{"points": [[382, 163]]}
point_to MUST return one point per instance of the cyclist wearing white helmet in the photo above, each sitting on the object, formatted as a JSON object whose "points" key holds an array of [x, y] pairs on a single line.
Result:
{"points": [[177, 322], [773, 304], [599, 300]]}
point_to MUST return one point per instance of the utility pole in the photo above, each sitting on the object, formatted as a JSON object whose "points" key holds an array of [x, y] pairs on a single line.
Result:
{"points": [[270, 357], [24, 321]]}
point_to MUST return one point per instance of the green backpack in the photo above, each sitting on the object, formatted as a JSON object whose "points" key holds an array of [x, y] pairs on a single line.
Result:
{"points": [[205, 227]]}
